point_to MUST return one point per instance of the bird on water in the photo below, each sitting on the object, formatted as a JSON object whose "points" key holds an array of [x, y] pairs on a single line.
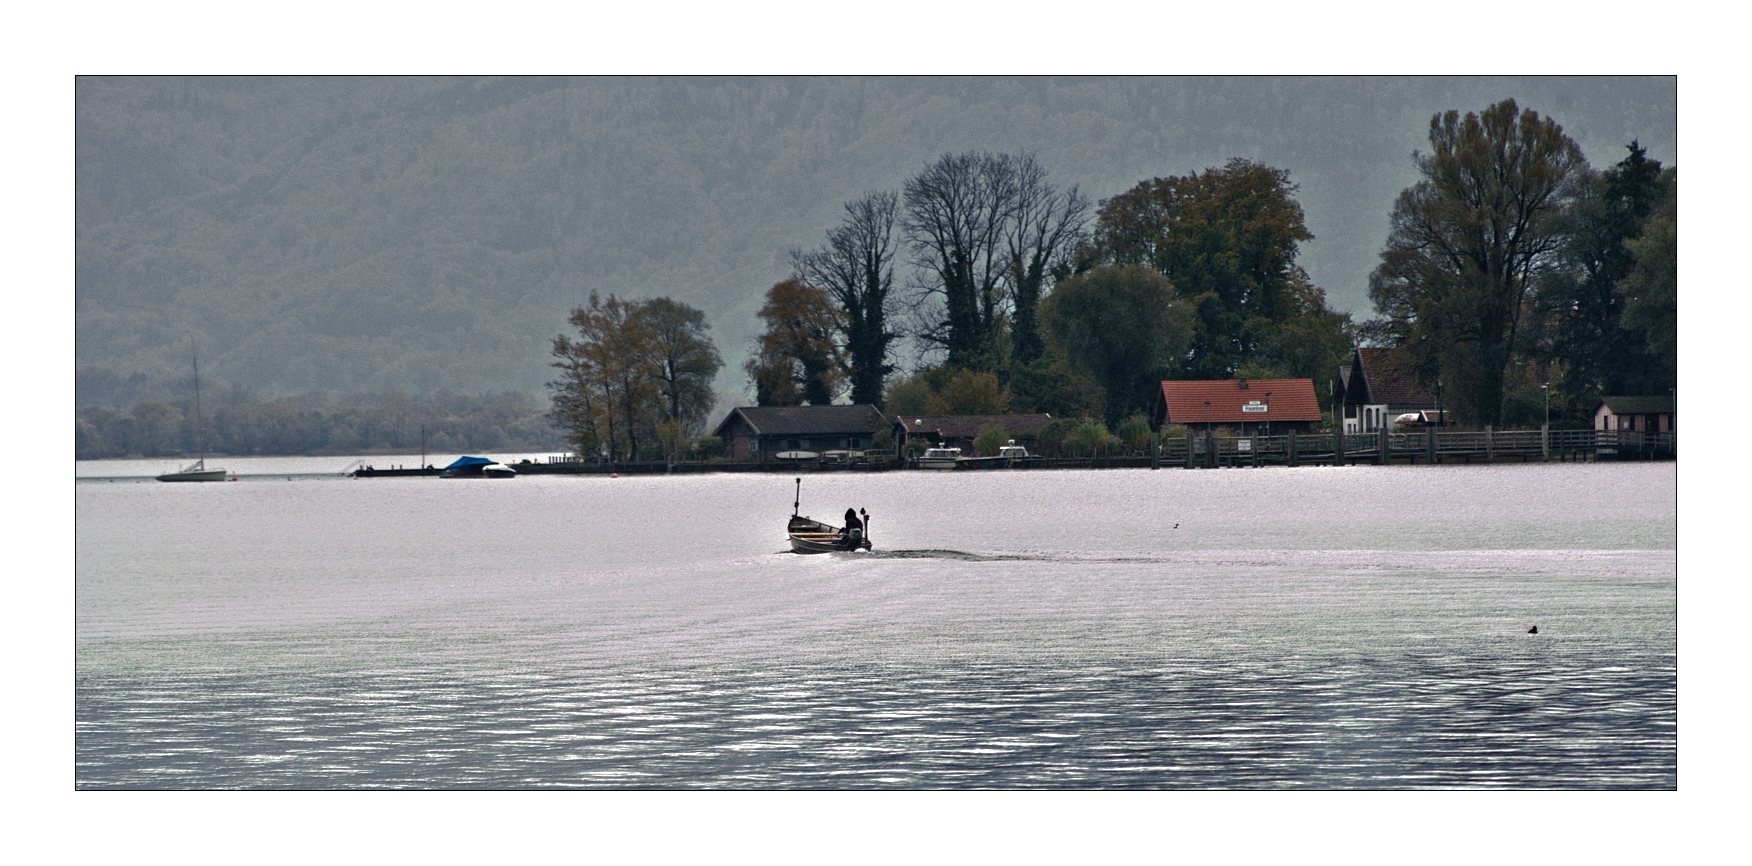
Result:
{"points": [[1533, 630]]}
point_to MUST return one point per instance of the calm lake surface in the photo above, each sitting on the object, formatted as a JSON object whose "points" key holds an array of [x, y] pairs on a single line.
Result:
{"points": [[1358, 627]]}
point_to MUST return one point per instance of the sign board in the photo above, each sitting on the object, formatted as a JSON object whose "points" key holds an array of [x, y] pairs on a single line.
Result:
{"points": [[1243, 444], [1255, 406]]}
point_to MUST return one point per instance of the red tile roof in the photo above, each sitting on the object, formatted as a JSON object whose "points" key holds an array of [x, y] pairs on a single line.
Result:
{"points": [[1219, 401]]}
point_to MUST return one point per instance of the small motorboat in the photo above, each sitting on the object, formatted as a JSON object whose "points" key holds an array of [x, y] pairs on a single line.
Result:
{"points": [[477, 467], [813, 536]]}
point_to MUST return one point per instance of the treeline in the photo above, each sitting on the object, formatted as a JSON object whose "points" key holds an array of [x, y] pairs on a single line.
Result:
{"points": [[1514, 272], [1029, 299], [1513, 265], [237, 423]]}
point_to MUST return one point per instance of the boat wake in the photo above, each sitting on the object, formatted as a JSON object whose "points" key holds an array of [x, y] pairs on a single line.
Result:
{"points": [[955, 554]]}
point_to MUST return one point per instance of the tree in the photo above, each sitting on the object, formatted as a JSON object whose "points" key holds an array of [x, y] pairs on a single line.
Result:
{"points": [[1466, 242], [1579, 295], [1135, 433], [637, 375], [955, 218], [1088, 439], [1307, 346], [856, 268], [1122, 325], [988, 232], [604, 396], [1055, 386], [1227, 239], [1046, 225], [990, 441], [969, 393], [797, 360], [683, 360], [1650, 292]]}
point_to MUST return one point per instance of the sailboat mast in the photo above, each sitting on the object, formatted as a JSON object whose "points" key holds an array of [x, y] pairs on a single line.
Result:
{"points": [[200, 425]]}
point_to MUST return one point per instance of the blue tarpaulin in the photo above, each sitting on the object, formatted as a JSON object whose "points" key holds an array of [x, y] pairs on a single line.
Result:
{"points": [[469, 461]]}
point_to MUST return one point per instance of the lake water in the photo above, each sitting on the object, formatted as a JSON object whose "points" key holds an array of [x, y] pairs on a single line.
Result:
{"points": [[1358, 627]]}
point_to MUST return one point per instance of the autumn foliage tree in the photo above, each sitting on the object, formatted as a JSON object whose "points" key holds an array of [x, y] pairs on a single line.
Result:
{"points": [[631, 371], [1227, 239], [797, 359]]}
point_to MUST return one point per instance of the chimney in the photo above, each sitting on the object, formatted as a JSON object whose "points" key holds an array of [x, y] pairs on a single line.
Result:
{"points": [[1243, 384]]}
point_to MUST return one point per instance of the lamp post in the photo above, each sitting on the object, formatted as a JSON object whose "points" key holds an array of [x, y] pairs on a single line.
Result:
{"points": [[1545, 429]]}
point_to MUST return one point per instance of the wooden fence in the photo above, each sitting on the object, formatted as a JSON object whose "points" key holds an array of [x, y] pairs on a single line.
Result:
{"points": [[1424, 446]]}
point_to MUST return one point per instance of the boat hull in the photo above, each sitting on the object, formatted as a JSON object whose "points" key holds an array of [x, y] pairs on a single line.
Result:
{"points": [[811, 536], [201, 475]]}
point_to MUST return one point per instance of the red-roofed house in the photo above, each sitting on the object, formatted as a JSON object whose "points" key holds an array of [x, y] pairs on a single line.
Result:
{"points": [[1249, 407]]}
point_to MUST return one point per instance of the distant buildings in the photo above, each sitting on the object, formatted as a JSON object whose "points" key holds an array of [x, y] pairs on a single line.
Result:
{"points": [[959, 431], [1377, 386], [1642, 414], [759, 433], [1248, 408]]}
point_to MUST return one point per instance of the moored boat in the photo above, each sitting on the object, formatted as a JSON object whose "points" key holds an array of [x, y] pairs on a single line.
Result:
{"points": [[939, 458], [477, 467], [196, 471]]}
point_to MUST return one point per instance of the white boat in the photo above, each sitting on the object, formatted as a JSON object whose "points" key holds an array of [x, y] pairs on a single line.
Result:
{"points": [[939, 458], [498, 470], [198, 470]]}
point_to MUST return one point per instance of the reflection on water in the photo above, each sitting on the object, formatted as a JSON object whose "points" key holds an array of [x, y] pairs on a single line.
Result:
{"points": [[1300, 630]]}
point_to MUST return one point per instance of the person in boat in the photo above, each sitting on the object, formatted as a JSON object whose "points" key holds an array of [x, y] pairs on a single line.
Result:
{"points": [[854, 528]]}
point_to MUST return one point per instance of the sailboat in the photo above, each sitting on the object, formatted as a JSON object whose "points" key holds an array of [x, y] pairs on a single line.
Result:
{"points": [[196, 471]]}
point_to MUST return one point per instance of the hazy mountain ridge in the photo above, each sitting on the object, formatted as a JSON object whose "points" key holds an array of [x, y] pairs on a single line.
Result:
{"points": [[416, 234]]}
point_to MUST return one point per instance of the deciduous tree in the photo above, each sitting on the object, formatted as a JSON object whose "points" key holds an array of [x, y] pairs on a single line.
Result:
{"points": [[856, 268], [682, 359], [797, 360], [605, 396], [956, 214], [1579, 295], [1650, 292], [1466, 242], [1045, 227], [1124, 326], [1227, 239]]}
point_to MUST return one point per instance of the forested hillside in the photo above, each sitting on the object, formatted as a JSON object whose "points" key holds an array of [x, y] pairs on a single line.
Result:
{"points": [[369, 235]]}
